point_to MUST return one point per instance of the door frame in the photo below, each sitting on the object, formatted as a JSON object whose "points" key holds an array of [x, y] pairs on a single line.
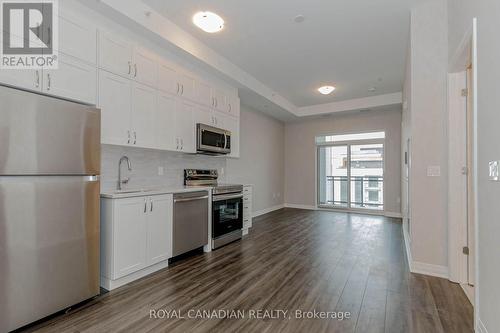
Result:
{"points": [[466, 54]]}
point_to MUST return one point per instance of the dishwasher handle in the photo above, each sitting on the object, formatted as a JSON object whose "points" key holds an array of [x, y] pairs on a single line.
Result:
{"points": [[191, 199]]}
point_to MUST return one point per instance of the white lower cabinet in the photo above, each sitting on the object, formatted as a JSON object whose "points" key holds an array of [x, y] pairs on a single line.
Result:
{"points": [[136, 238]]}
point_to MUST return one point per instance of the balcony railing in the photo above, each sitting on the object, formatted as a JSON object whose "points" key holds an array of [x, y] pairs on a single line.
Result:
{"points": [[366, 191]]}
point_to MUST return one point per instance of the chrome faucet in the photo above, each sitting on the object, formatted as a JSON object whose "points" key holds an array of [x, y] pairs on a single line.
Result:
{"points": [[125, 180]]}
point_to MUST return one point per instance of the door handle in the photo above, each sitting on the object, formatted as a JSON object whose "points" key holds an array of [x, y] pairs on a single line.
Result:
{"points": [[135, 137], [48, 82]]}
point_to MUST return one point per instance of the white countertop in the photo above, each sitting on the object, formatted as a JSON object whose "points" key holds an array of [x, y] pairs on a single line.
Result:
{"points": [[147, 191]]}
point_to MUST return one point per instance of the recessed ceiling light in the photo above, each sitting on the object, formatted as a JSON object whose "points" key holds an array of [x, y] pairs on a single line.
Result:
{"points": [[299, 19], [208, 21], [325, 90]]}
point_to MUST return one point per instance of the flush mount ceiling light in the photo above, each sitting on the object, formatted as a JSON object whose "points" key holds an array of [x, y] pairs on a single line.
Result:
{"points": [[326, 90], [208, 22]]}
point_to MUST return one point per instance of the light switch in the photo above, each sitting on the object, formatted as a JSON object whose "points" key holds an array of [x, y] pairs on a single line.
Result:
{"points": [[494, 170], [433, 171]]}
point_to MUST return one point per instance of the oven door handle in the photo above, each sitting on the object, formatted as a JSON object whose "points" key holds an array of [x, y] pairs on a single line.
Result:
{"points": [[226, 197]]}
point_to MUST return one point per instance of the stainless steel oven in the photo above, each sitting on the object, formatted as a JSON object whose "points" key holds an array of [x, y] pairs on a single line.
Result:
{"points": [[227, 205], [227, 218], [212, 140]]}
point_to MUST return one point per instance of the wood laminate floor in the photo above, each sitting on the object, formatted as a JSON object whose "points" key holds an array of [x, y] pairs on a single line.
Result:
{"points": [[291, 260]]}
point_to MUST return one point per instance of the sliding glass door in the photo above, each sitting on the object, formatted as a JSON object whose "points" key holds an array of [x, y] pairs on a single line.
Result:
{"points": [[351, 175], [334, 175]]}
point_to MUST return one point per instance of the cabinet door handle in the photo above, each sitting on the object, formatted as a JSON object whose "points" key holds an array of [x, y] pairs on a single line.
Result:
{"points": [[216, 102], [128, 135], [229, 107], [178, 88], [145, 204], [182, 89], [37, 78], [135, 70], [135, 137], [48, 82], [151, 209], [182, 144], [129, 67]]}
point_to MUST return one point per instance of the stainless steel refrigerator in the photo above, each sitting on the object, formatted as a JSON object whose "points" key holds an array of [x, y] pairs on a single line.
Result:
{"points": [[49, 205]]}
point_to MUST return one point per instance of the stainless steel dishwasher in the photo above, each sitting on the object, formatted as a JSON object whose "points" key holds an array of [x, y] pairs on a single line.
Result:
{"points": [[190, 230]]}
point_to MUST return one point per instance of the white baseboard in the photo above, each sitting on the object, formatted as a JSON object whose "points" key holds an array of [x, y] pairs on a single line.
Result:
{"points": [[429, 269], [393, 214], [109, 284], [307, 207], [267, 210], [422, 267], [480, 328]]}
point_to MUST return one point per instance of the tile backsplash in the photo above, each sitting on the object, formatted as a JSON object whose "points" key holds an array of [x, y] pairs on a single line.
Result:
{"points": [[145, 164]]}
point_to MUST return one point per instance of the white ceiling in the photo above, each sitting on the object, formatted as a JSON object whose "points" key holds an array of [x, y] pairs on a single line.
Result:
{"points": [[352, 44]]}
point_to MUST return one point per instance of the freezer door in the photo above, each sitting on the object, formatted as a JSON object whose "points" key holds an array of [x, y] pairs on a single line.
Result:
{"points": [[41, 135], [49, 245]]}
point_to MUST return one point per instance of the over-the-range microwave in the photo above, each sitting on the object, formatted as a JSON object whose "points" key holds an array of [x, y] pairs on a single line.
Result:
{"points": [[212, 140]]}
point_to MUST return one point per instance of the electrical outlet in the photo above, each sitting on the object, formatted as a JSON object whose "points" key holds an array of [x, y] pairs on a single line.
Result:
{"points": [[161, 171]]}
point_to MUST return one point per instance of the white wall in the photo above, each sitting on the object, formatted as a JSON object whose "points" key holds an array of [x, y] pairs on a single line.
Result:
{"points": [[300, 152], [461, 13], [426, 94], [261, 161]]}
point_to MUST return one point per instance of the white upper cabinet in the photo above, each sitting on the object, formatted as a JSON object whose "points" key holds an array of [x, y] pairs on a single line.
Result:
{"points": [[145, 67], [185, 126], [233, 106], [220, 102], [187, 85], [77, 37], [144, 104], [73, 79], [204, 115], [232, 124], [164, 124], [204, 93], [167, 77], [115, 54], [30, 79], [115, 94]]}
